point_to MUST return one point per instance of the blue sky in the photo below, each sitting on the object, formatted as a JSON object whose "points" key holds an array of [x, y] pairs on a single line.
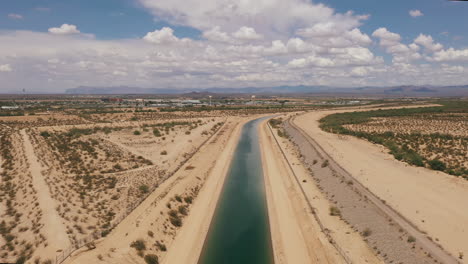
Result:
{"points": [[107, 19], [171, 43], [114, 19]]}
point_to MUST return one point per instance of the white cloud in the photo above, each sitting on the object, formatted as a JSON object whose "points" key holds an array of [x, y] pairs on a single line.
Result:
{"points": [[451, 54], [386, 37], [162, 36], [247, 33], [415, 13], [15, 16], [428, 43], [269, 18], [215, 34], [244, 43], [5, 68], [64, 29]]}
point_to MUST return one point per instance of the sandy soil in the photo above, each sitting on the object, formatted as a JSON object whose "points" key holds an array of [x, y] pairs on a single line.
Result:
{"points": [[297, 238], [433, 201], [348, 245], [211, 162], [53, 226]]}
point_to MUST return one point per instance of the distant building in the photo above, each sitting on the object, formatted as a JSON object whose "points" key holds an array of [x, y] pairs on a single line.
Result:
{"points": [[112, 100], [10, 107], [191, 102]]}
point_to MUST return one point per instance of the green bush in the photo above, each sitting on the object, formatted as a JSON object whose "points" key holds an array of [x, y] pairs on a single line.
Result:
{"points": [[156, 132], [45, 134], [144, 188], [367, 232], [151, 259], [437, 165], [335, 211], [139, 245]]}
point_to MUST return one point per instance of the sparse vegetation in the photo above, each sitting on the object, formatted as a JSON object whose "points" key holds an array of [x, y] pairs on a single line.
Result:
{"points": [[139, 245], [430, 137], [151, 259], [367, 232], [335, 211]]}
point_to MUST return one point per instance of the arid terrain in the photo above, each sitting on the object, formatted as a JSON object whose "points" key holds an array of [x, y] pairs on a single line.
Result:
{"points": [[141, 186]]}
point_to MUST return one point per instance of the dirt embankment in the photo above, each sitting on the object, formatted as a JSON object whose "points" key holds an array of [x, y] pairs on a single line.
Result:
{"points": [[302, 229], [152, 222], [432, 202]]}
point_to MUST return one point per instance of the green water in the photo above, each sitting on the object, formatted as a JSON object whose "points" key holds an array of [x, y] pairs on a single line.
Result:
{"points": [[240, 230]]}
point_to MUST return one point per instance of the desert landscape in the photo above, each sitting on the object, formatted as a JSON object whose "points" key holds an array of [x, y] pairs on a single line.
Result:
{"points": [[128, 186]]}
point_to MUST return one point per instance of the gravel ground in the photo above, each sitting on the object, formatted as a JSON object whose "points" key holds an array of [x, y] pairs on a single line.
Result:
{"points": [[386, 237]]}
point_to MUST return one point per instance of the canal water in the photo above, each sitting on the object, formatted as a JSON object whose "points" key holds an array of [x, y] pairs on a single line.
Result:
{"points": [[240, 232]]}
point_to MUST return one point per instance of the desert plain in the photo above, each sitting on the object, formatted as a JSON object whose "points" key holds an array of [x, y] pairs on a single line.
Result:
{"points": [[385, 183]]}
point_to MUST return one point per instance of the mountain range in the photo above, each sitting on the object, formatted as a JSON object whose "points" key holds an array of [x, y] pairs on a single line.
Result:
{"points": [[421, 91]]}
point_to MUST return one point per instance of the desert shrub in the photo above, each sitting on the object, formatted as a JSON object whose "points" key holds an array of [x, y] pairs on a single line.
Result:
{"points": [[367, 232], [187, 132], [136, 133], [139, 245], [335, 211], [144, 188], [45, 134], [183, 209], [21, 259], [281, 133], [156, 132], [176, 221], [105, 232], [150, 233], [163, 152], [178, 198], [173, 213], [161, 246], [411, 239], [275, 123], [436, 164], [151, 259], [188, 199], [91, 245], [325, 163]]}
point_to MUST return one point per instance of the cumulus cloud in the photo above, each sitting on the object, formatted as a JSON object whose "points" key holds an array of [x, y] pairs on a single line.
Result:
{"points": [[5, 68], [428, 43], [162, 36], [268, 18], [386, 37], [64, 29], [243, 43], [215, 34], [15, 16], [416, 13], [392, 43], [247, 33], [451, 54]]}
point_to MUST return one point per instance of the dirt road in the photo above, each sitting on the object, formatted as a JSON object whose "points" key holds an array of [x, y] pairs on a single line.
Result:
{"points": [[364, 210]]}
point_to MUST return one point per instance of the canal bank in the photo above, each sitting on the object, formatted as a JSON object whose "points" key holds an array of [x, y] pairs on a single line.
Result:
{"points": [[239, 231]]}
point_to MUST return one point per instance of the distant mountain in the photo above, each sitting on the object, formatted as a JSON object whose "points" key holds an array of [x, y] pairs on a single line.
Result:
{"points": [[121, 90], [396, 91]]}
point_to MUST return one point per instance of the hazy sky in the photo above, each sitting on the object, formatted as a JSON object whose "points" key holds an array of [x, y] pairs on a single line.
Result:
{"points": [[52, 45]]}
